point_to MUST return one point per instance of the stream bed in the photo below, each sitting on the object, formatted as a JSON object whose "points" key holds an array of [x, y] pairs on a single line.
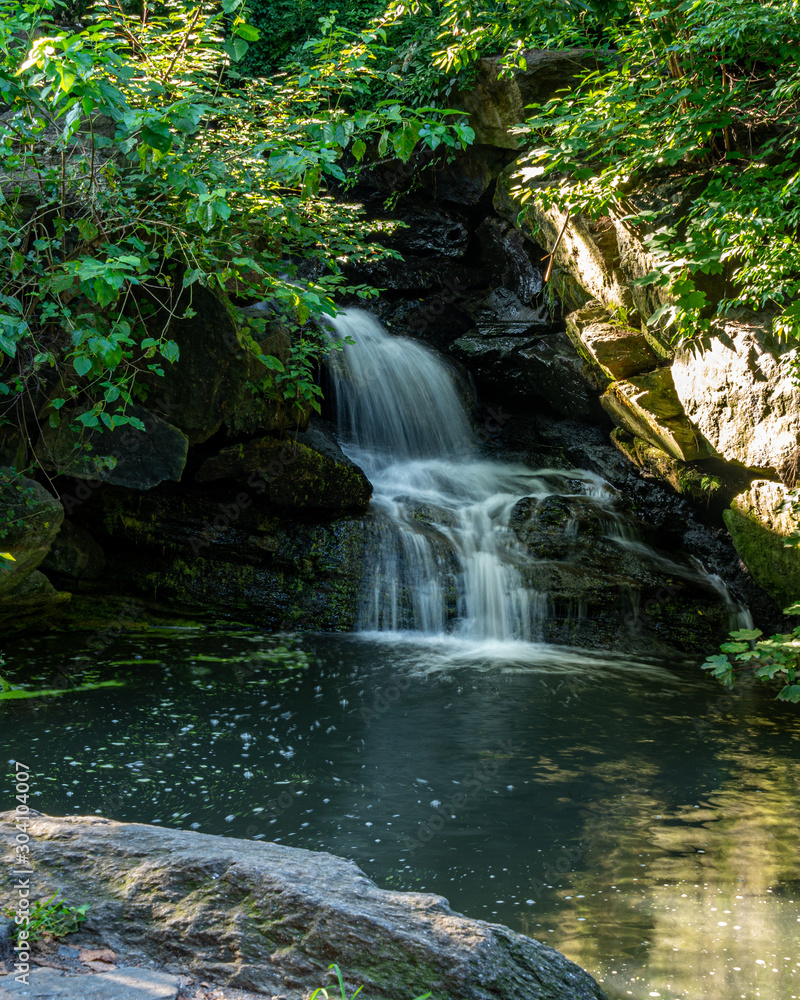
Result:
{"points": [[628, 812]]}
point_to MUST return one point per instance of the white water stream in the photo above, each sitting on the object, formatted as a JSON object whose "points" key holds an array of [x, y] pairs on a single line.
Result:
{"points": [[446, 558]]}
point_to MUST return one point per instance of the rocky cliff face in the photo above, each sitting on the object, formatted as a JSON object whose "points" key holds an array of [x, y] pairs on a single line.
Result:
{"points": [[718, 420]]}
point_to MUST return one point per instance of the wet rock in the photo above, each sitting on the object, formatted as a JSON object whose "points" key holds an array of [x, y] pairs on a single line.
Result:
{"points": [[740, 391], [270, 918], [501, 313], [124, 456], [648, 407], [466, 178], [31, 520], [427, 232], [438, 319], [75, 553], [519, 368], [497, 103], [419, 276], [223, 547], [760, 521], [608, 587], [308, 471], [511, 257]]}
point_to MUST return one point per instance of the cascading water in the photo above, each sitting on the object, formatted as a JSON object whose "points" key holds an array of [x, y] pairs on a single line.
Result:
{"points": [[446, 558]]}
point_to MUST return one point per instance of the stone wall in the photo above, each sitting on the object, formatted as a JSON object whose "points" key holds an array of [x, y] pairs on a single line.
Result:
{"points": [[713, 419]]}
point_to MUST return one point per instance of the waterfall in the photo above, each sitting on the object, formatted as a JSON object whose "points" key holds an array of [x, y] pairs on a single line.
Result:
{"points": [[446, 557]]}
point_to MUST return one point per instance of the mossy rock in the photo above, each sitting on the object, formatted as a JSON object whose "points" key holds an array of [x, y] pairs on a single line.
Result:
{"points": [[759, 529], [31, 518], [292, 473]]}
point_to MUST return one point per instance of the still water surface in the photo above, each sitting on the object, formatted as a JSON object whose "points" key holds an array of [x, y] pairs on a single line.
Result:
{"points": [[605, 806]]}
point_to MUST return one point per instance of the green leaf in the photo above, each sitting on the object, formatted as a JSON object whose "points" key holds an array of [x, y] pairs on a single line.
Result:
{"points": [[170, 351], [82, 365], [358, 150], [157, 135], [248, 32], [790, 693]]}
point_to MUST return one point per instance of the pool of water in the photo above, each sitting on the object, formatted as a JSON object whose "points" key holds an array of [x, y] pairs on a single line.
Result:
{"points": [[629, 813]]}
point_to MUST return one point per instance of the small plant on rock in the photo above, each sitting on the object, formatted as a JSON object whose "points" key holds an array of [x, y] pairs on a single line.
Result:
{"points": [[322, 992], [52, 917]]}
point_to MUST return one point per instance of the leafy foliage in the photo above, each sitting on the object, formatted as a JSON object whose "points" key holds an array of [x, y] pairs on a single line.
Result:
{"points": [[284, 25], [698, 94], [136, 162], [776, 659], [705, 96], [52, 917]]}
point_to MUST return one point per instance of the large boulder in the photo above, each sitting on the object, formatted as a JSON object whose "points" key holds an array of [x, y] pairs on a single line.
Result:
{"points": [[75, 553], [497, 101], [308, 471], [739, 389], [605, 586], [760, 521], [214, 355], [270, 918], [124, 456], [31, 518], [223, 547]]}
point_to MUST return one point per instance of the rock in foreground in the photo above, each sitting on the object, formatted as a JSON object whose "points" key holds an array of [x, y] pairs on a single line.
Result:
{"points": [[270, 918]]}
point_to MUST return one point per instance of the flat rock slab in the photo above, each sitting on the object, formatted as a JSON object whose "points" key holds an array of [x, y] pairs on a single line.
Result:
{"points": [[121, 984]]}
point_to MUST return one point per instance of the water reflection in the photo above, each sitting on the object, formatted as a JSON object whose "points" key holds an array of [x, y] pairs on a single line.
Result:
{"points": [[570, 796]]}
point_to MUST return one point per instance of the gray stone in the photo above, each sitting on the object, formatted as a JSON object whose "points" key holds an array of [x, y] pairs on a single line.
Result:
{"points": [[121, 984], [140, 459], [740, 391], [497, 103], [270, 918]]}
